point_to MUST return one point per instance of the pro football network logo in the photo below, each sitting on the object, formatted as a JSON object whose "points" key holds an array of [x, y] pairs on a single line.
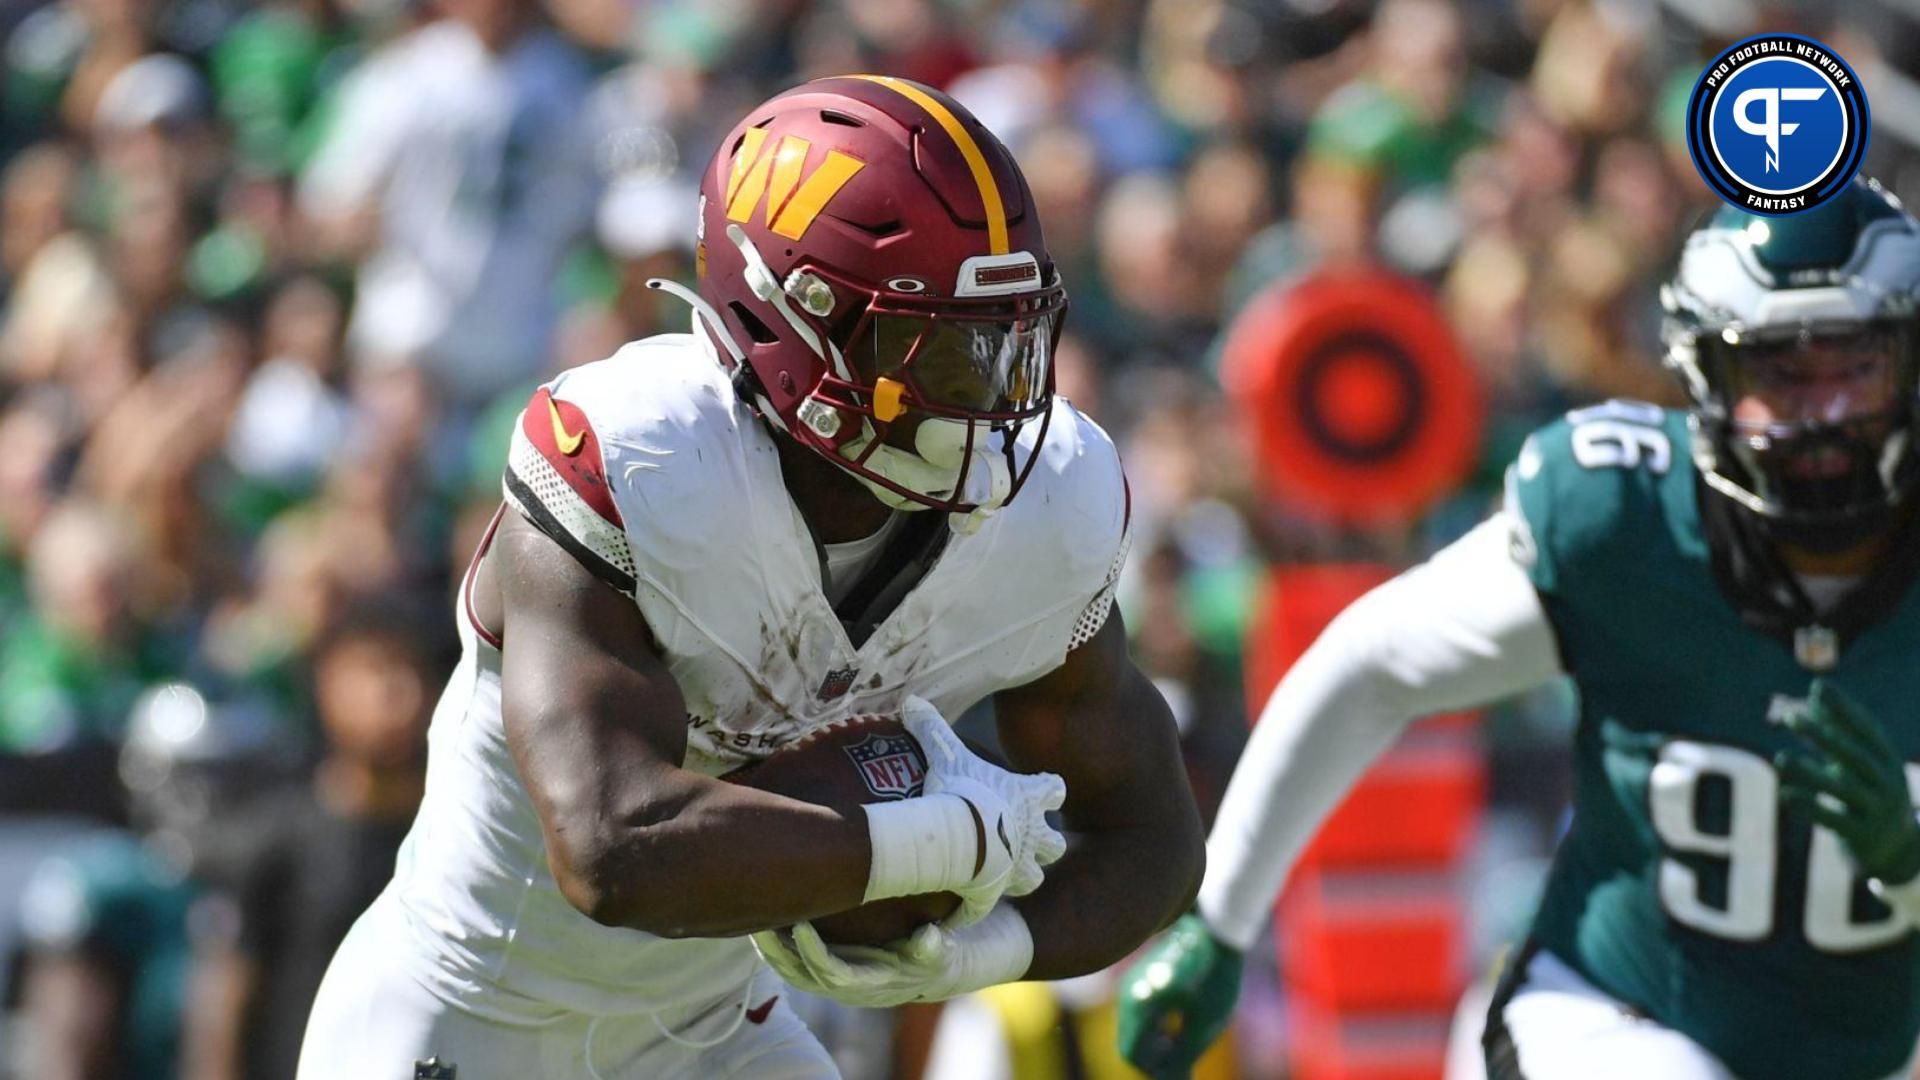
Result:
{"points": [[1777, 124]]}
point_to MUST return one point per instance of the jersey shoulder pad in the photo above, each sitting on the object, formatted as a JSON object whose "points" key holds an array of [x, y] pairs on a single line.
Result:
{"points": [[1078, 509], [1597, 485], [600, 442]]}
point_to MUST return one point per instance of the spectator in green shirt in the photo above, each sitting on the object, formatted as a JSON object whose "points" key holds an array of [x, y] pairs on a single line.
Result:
{"points": [[73, 664], [1415, 112]]}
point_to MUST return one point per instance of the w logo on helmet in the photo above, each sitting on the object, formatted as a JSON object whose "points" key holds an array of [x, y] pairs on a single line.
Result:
{"points": [[794, 197]]}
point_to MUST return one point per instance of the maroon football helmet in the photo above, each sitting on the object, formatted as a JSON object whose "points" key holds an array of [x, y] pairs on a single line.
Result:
{"points": [[870, 255]]}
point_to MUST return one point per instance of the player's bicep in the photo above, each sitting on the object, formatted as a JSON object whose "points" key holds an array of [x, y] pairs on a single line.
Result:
{"points": [[1100, 723], [1462, 629], [586, 699]]}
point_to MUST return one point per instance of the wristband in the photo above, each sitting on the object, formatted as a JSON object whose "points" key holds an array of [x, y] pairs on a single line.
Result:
{"points": [[928, 844]]}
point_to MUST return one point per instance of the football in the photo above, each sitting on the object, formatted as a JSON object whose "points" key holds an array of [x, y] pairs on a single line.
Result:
{"points": [[865, 759]]}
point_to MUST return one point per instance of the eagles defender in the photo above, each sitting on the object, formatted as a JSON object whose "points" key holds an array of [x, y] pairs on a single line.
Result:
{"points": [[1730, 588], [849, 491]]}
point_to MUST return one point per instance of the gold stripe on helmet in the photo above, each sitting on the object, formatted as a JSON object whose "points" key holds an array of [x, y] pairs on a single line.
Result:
{"points": [[969, 149]]}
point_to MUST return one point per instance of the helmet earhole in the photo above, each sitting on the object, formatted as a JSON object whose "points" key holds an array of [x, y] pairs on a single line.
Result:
{"points": [[786, 383]]}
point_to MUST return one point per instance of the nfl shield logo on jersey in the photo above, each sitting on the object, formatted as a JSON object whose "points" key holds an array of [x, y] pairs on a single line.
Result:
{"points": [[890, 765], [837, 682]]}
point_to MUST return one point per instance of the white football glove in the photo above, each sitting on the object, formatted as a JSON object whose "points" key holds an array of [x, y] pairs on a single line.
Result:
{"points": [[933, 964], [1012, 806]]}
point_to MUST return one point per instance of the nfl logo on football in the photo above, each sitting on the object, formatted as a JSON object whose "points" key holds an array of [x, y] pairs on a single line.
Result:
{"points": [[890, 765]]}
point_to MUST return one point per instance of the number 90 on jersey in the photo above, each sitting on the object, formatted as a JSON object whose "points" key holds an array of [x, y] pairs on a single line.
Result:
{"points": [[1742, 849]]}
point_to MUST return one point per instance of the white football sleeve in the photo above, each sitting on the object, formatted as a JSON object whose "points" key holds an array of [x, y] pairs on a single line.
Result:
{"points": [[1464, 628]]}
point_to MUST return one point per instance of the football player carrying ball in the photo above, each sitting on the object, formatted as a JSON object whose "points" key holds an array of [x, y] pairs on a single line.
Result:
{"points": [[849, 491]]}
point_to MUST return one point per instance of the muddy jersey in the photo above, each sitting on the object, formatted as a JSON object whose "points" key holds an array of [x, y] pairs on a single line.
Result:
{"points": [[651, 472]]}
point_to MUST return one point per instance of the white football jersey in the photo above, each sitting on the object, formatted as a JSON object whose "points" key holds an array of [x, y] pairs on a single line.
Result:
{"points": [[650, 471]]}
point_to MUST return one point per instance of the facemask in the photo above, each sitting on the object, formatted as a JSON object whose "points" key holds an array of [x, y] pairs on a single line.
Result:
{"points": [[940, 449]]}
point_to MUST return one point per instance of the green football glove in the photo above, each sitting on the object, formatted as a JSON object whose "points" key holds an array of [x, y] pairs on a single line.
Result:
{"points": [[1863, 781], [1176, 1000]]}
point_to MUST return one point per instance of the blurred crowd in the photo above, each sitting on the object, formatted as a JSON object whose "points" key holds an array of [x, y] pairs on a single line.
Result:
{"points": [[276, 277]]}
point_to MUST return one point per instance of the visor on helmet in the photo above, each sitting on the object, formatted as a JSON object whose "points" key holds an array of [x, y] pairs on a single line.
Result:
{"points": [[987, 364], [1782, 384], [1814, 420], [982, 366]]}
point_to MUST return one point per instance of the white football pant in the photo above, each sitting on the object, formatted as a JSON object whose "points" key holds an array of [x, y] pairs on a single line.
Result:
{"points": [[1558, 1026], [375, 1020]]}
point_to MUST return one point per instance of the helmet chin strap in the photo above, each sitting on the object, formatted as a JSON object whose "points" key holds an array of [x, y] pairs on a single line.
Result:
{"points": [[934, 470]]}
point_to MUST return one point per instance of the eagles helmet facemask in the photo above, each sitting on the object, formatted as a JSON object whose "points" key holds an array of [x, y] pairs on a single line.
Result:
{"points": [[1795, 339]]}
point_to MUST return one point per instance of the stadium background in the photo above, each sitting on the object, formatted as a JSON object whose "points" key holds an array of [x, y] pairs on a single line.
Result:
{"points": [[264, 325]]}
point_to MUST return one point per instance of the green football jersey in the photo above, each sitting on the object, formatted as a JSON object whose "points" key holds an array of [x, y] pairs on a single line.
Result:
{"points": [[1685, 887]]}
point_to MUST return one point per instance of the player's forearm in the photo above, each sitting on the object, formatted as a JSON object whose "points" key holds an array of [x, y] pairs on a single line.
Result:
{"points": [[1109, 893], [596, 725], [1318, 734], [1139, 847], [1464, 629], [689, 856]]}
